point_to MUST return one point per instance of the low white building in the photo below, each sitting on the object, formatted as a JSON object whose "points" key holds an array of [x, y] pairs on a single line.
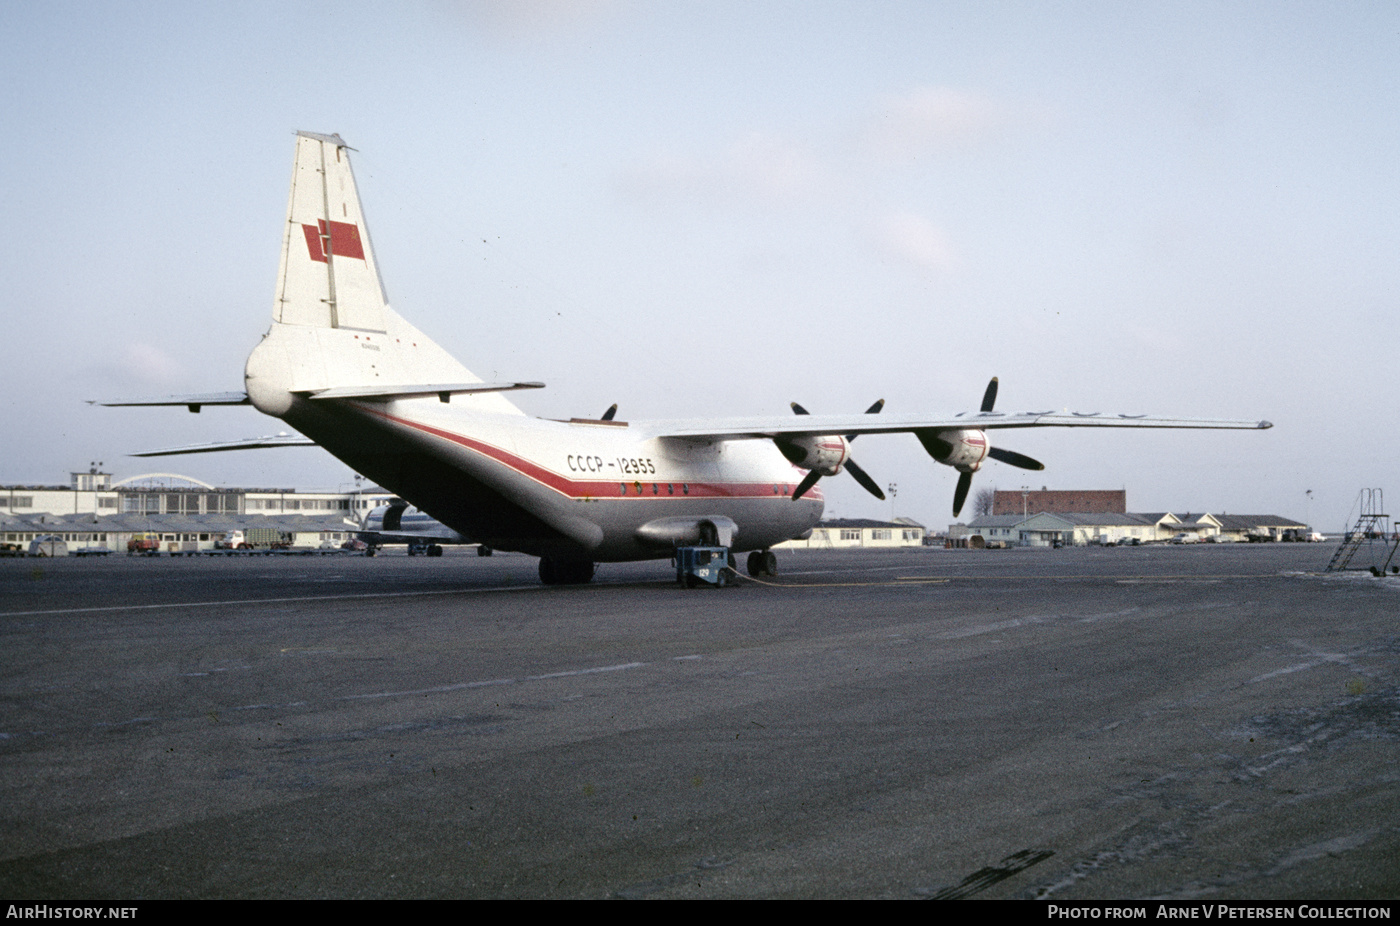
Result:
{"points": [[180, 533], [1078, 529], [854, 533]]}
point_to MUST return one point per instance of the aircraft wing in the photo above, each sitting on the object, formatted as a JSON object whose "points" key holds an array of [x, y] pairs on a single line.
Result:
{"points": [[251, 443], [711, 429]]}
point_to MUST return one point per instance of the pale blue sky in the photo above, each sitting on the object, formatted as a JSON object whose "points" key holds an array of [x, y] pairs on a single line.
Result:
{"points": [[1173, 208]]}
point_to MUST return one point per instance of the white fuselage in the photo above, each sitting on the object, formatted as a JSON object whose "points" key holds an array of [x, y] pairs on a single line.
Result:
{"points": [[576, 489]]}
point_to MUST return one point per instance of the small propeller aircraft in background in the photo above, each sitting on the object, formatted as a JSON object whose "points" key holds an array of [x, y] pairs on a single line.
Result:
{"points": [[400, 522], [345, 370]]}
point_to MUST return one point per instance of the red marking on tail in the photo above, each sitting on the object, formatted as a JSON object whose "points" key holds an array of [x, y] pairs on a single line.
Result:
{"points": [[345, 240]]}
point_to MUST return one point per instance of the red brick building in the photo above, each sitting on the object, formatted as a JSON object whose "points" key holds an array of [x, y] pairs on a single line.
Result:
{"points": [[1060, 501]]}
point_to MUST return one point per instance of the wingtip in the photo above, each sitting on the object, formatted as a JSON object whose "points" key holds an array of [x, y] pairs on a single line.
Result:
{"points": [[1265, 425]]}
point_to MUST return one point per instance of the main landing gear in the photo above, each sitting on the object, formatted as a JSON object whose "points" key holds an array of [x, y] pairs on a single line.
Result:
{"points": [[763, 563], [565, 572]]}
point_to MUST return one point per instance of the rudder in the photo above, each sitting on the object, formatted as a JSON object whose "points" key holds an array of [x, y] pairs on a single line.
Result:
{"points": [[328, 277], [332, 325]]}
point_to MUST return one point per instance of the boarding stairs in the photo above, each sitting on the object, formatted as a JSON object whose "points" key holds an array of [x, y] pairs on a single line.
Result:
{"points": [[1372, 529]]}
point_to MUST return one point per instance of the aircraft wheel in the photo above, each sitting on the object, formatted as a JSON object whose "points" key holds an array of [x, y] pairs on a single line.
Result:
{"points": [[434, 550], [763, 563], [566, 572], [549, 571], [483, 550]]}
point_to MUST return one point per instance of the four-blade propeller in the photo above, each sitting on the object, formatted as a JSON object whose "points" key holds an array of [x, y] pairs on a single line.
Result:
{"points": [[934, 442], [1011, 457], [850, 465]]}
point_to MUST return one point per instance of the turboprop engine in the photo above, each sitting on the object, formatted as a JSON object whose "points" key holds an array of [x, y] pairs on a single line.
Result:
{"points": [[964, 450], [823, 454]]}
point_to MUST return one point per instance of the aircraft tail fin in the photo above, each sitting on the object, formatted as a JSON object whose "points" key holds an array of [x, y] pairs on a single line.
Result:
{"points": [[328, 277], [333, 332]]}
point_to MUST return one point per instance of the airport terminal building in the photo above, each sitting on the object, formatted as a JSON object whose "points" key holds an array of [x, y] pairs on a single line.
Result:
{"points": [[93, 511]]}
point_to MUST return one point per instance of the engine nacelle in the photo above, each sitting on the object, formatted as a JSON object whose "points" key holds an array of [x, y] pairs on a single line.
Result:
{"points": [[963, 450], [824, 454]]}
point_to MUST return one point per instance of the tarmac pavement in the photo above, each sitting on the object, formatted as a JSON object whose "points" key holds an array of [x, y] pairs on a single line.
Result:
{"points": [[1150, 722]]}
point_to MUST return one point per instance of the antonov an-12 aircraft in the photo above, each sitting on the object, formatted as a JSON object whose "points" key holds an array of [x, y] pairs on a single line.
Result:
{"points": [[344, 369]]}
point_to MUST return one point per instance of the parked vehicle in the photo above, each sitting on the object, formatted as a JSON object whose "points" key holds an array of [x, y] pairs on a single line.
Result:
{"points": [[143, 545], [91, 551], [703, 565], [52, 545], [233, 540], [265, 538]]}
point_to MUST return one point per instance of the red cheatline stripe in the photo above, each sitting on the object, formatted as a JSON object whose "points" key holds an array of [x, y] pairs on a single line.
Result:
{"points": [[579, 488]]}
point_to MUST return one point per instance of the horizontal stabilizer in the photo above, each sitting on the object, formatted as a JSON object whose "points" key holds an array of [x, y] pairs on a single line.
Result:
{"points": [[252, 443], [193, 401], [442, 390]]}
